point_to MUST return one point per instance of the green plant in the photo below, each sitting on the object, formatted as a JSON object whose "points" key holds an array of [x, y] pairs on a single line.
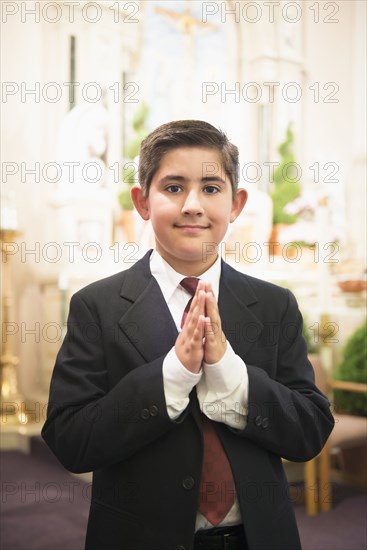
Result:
{"points": [[140, 132], [352, 368], [286, 188], [131, 151]]}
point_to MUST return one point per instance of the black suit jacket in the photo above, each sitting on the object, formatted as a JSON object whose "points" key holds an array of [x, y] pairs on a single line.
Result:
{"points": [[107, 412]]}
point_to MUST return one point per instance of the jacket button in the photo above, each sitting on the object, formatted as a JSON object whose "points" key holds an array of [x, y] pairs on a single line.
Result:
{"points": [[258, 421], [153, 410], [145, 414], [188, 483], [265, 422]]}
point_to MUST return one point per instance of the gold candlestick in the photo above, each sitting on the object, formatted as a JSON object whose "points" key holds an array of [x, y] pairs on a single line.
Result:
{"points": [[11, 399], [326, 335]]}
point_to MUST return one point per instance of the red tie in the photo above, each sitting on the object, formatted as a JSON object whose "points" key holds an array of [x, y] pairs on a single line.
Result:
{"points": [[189, 284], [216, 485]]}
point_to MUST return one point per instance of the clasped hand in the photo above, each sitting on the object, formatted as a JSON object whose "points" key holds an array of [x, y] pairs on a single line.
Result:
{"points": [[201, 339]]}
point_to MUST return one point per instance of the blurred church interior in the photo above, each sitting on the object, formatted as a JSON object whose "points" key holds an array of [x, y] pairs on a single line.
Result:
{"points": [[84, 82]]}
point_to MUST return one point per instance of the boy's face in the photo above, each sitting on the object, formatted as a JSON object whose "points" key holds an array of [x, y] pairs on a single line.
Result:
{"points": [[190, 203]]}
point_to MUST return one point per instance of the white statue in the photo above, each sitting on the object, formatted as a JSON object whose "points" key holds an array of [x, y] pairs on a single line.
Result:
{"points": [[83, 146]]}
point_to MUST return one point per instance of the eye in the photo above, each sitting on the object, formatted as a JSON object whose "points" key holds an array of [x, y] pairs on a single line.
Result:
{"points": [[173, 188], [211, 189]]}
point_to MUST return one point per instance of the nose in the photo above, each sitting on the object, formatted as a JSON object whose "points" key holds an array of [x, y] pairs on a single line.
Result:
{"points": [[192, 204]]}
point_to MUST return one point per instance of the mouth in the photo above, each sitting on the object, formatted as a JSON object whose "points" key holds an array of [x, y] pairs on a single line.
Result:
{"points": [[191, 228]]}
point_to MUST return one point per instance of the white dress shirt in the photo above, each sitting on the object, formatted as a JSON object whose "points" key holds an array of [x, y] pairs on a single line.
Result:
{"points": [[222, 388]]}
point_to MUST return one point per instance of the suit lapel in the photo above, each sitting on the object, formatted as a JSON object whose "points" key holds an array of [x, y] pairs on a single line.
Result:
{"points": [[147, 323], [240, 325]]}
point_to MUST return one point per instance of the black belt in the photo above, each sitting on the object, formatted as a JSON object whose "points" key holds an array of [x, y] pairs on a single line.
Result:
{"points": [[221, 538]]}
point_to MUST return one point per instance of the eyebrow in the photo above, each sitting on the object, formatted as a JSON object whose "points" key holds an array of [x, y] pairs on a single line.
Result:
{"points": [[182, 179]]}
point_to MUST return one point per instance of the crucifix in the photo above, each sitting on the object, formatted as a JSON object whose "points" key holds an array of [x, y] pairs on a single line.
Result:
{"points": [[186, 23], [185, 20]]}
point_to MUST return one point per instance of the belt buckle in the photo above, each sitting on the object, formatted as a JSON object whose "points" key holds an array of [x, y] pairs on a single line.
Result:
{"points": [[227, 542]]}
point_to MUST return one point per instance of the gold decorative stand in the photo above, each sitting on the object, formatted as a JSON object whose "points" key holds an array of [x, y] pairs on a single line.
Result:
{"points": [[11, 400]]}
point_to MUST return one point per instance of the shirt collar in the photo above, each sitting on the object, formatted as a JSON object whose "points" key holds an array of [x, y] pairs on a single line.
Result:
{"points": [[169, 279]]}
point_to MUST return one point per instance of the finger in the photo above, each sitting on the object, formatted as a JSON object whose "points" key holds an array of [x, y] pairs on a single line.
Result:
{"points": [[192, 340], [212, 310], [210, 330], [199, 331], [209, 287], [213, 332], [215, 345], [201, 286], [196, 309], [198, 303], [196, 295]]}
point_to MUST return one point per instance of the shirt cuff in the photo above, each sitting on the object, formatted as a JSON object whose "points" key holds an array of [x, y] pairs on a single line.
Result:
{"points": [[177, 383], [223, 377], [223, 390]]}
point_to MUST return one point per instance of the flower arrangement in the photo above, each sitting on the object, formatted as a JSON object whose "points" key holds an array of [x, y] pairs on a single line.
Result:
{"points": [[303, 207]]}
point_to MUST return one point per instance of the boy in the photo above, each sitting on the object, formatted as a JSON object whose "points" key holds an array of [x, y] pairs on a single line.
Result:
{"points": [[152, 385]]}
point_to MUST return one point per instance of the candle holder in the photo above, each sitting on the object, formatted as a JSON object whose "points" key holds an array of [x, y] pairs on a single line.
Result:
{"points": [[11, 400], [326, 352]]}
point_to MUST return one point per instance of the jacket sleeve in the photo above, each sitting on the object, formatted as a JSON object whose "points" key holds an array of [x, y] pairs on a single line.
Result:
{"points": [[287, 414], [89, 424]]}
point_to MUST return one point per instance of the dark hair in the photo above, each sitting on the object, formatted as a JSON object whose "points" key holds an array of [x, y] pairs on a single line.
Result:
{"points": [[185, 133]]}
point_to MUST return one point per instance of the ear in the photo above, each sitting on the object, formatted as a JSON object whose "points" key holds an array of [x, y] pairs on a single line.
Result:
{"points": [[238, 204], [140, 201]]}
